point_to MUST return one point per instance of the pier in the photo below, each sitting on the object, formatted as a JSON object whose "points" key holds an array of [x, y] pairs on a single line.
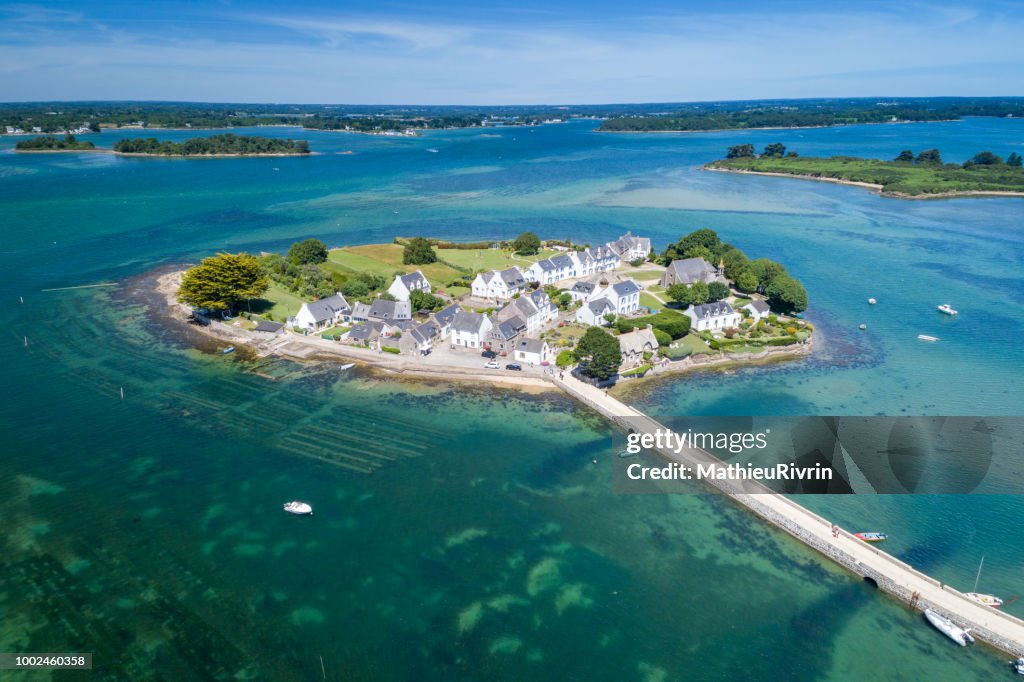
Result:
{"points": [[892, 576]]}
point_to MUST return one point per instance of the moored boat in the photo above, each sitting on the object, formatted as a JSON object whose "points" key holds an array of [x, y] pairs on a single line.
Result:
{"points": [[925, 337], [348, 365], [871, 536], [947, 309], [949, 628], [986, 599], [1018, 665], [626, 453], [872, 301], [229, 349], [298, 508]]}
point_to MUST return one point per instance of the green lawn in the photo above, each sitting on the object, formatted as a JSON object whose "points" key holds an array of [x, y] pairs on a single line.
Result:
{"points": [[385, 260], [650, 302], [455, 292], [895, 177], [645, 275], [488, 259], [693, 343], [278, 302]]}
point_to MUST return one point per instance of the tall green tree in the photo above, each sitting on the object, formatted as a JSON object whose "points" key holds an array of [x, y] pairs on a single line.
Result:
{"points": [[766, 271], [680, 293], [699, 293], [418, 251], [775, 149], [984, 159], [223, 281], [598, 354], [786, 294], [1014, 160], [717, 291], [930, 156], [746, 281], [308, 251], [526, 244]]}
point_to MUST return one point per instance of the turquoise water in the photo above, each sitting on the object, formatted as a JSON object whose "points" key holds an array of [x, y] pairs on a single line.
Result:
{"points": [[485, 545]]}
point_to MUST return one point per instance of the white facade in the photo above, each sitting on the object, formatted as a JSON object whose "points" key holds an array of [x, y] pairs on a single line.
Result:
{"points": [[713, 316], [532, 352], [470, 329], [404, 285], [500, 285], [322, 314]]}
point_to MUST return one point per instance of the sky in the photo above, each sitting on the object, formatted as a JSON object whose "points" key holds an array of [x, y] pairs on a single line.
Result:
{"points": [[509, 52]]}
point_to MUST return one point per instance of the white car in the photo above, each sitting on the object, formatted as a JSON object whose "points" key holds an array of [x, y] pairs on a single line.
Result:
{"points": [[493, 364]]}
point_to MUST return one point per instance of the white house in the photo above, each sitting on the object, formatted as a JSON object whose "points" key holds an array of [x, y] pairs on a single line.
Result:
{"points": [[443, 319], [621, 298], [581, 291], [469, 330], [629, 248], [583, 264], [404, 285], [605, 260], [713, 316], [532, 351], [546, 309], [323, 313], [386, 311], [757, 309], [501, 285], [593, 312], [551, 270]]}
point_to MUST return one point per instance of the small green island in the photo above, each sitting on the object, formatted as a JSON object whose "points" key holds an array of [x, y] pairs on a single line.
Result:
{"points": [[215, 145], [52, 143], [909, 175]]}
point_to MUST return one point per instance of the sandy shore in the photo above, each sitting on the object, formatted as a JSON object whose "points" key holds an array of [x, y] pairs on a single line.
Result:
{"points": [[871, 186]]}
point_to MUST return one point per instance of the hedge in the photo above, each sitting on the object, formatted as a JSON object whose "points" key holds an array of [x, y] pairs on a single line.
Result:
{"points": [[676, 325], [641, 370], [388, 349]]}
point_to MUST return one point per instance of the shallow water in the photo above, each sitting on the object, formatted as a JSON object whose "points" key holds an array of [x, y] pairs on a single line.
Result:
{"points": [[485, 544]]}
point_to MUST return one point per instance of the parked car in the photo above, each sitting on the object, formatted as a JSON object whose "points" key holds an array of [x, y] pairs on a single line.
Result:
{"points": [[514, 366], [488, 354], [493, 364]]}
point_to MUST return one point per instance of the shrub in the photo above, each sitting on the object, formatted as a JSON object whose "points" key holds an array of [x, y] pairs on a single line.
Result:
{"points": [[389, 349], [730, 332], [637, 371], [791, 330], [564, 358], [663, 337]]}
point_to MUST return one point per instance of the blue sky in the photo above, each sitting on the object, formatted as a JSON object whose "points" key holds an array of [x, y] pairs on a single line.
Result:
{"points": [[511, 52]]}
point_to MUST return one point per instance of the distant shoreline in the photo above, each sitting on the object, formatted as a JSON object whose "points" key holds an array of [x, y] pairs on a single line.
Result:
{"points": [[878, 189], [104, 150], [729, 130]]}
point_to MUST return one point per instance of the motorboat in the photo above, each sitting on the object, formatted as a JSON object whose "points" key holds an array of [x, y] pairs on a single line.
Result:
{"points": [[863, 327], [925, 337], [872, 301], [946, 308], [1018, 665], [871, 536], [348, 365], [986, 599], [229, 349], [298, 508], [626, 453], [949, 628]]}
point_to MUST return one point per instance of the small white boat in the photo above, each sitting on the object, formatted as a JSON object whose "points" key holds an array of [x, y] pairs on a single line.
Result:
{"points": [[432, 150], [925, 337], [872, 301], [863, 327], [1018, 665], [348, 365], [946, 308], [229, 349], [298, 508], [949, 628]]}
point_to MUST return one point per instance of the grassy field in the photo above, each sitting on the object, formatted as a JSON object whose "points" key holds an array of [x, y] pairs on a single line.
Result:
{"points": [[488, 259], [650, 302], [894, 177], [278, 302], [694, 344], [644, 275], [386, 260]]}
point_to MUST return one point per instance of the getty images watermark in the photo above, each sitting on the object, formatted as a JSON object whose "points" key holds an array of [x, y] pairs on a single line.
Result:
{"points": [[820, 455]]}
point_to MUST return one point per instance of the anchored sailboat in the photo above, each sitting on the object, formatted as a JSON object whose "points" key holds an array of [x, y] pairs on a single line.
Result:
{"points": [[986, 599]]}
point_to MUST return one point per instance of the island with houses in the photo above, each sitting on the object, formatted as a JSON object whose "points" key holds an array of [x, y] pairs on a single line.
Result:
{"points": [[511, 310]]}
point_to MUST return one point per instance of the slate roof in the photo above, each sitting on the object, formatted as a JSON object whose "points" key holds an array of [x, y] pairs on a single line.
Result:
{"points": [[716, 309], [510, 328], [365, 331], [512, 277], [600, 305], [445, 316], [361, 311], [467, 322], [530, 346], [327, 308], [561, 261], [626, 288], [758, 305], [272, 327], [540, 298], [690, 270], [414, 280], [382, 309]]}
